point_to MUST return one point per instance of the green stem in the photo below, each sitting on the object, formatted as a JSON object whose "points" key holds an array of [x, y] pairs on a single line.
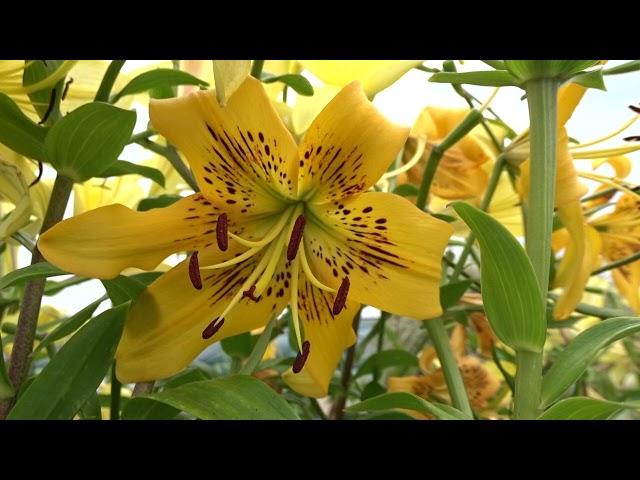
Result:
{"points": [[116, 391], [382, 322], [438, 335], [484, 205], [142, 136], [542, 96], [527, 385], [617, 263], [256, 68], [174, 159], [109, 79], [427, 177], [32, 297]]}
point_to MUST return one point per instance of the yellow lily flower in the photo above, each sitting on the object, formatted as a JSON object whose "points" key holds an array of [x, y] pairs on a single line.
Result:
{"points": [[480, 383], [275, 224]]}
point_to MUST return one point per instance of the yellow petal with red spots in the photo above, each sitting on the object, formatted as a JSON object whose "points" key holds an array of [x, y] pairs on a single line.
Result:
{"points": [[390, 250]]}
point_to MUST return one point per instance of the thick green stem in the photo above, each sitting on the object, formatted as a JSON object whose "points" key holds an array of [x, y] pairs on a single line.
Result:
{"points": [[32, 298], [427, 177], [109, 79], [527, 385], [256, 68], [542, 96], [438, 335]]}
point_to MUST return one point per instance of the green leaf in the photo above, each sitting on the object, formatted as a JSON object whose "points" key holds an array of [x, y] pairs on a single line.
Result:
{"points": [[157, 202], [408, 401], [299, 83], [69, 325], [576, 357], [75, 372], [238, 397], [87, 141], [510, 292], [162, 77], [239, 346], [91, 409], [385, 359], [452, 292], [490, 78], [32, 272], [123, 289], [18, 132], [406, 190], [495, 64], [122, 167], [592, 79], [140, 408], [627, 67], [372, 389], [390, 415], [582, 408], [36, 71], [525, 70]]}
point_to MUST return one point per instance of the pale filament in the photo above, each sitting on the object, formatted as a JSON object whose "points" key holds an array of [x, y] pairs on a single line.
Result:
{"points": [[309, 274], [607, 152], [293, 300], [613, 182], [422, 142], [271, 234], [626, 125]]}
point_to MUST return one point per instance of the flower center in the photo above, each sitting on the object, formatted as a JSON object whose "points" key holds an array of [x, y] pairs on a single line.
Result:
{"points": [[284, 237]]}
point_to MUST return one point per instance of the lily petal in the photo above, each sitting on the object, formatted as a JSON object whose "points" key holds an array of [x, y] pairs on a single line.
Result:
{"points": [[627, 280], [163, 332], [347, 148], [328, 334], [375, 75], [103, 242], [242, 155], [390, 250]]}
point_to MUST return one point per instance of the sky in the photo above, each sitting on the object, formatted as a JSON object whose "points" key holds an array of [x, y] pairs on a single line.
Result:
{"points": [[598, 114]]}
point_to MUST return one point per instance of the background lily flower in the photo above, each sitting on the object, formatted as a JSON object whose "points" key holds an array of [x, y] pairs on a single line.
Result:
{"points": [[275, 224], [481, 383]]}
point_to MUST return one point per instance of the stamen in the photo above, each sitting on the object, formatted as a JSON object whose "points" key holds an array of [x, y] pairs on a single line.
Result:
{"points": [[301, 357], [66, 88], [268, 238], [52, 102], [421, 144], [39, 177], [296, 237], [634, 108], [341, 296], [250, 293], [212, 328], [222, 232], [194, 271], [309, 274], [632, 138]]}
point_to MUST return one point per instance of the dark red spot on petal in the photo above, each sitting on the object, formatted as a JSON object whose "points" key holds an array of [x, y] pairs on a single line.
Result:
{"points": [[250, 293]]}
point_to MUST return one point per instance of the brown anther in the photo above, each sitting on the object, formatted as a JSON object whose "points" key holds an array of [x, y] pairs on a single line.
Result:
{"points": [[66, 88], [194, 271], [250, 293], [296, 237], [222, 232], [302, 356], [633, 138], [341, 296], [212, 328], [634, 108]]}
